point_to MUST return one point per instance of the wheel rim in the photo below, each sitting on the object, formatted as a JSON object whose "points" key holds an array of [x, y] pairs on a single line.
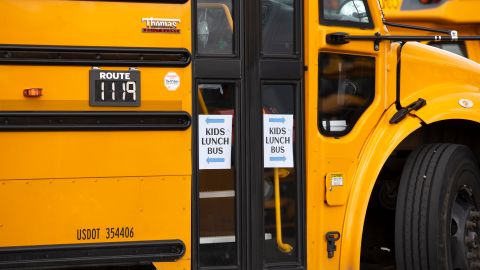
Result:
{"points": [[465, 231]]}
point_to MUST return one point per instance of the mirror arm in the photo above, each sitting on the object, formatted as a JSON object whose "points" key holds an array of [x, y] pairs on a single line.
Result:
{"points": [[340, 38]]}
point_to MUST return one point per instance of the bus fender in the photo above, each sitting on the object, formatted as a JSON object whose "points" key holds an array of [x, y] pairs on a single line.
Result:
{"points": [[382, 142], [448, 103]]}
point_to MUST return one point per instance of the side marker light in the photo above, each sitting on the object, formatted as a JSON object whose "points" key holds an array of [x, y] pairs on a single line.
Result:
{"points": [[32, 92]]}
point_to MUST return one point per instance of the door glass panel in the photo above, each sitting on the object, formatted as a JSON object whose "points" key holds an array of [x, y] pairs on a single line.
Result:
{"points": [[215, 27], [217, 188], [346, 89], [280, 100], [278, 27]]}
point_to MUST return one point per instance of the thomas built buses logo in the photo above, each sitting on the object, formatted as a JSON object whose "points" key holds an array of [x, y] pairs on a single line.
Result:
{"points": [[158, 25]]}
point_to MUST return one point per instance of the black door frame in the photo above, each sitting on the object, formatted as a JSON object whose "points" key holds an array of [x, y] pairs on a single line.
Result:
{"points": [[250, 69]]}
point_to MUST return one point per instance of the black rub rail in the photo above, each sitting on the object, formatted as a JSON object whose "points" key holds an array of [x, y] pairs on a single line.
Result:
{"points": [[92, 120], [93, 56], [91, 255]]}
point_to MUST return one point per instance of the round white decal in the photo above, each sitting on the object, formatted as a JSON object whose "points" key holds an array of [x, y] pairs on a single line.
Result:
{"points": [[171, 81]]}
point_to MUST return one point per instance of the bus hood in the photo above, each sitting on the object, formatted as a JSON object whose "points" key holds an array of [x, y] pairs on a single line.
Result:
{"points": [[425, 67]]}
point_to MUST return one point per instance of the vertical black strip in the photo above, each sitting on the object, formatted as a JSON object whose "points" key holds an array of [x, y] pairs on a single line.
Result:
{"points": [[195, 205], [253, 135], [243, 183], [398, 104], [301, 176], [194, 212]]}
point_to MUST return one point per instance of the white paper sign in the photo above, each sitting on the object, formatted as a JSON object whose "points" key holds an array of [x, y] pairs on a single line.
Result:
{"points": [[277, 141], [214, 141]]}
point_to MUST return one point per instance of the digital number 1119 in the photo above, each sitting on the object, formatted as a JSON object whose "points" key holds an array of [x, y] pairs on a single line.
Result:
{"points": [[128, 88]]}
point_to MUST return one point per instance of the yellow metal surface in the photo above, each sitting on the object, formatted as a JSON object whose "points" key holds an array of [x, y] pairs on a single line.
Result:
{"points": [[91, 23], [459, 15], [34, 155], [66, 88], [445, 79], [377, 148], [178, 265], [36, 212], [447, 72], [435, 75], [326, 154], [452, 12], [71, 187], [390, 4], [450, 78], [54, 185]]}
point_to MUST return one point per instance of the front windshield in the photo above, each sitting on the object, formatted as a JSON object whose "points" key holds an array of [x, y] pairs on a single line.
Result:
{"points": [[346, 11]]}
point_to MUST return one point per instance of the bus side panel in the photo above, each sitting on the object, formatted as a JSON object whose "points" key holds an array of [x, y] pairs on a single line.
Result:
{"points": [[91, 23], [77, 211], [66, 88], [49, 155], [74, 187]]}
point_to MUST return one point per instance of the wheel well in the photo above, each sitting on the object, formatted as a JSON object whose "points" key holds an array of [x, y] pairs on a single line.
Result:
{"points": [[379, 227]]}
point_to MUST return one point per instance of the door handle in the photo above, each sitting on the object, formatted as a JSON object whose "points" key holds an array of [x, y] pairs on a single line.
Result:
{"points": [[283, 247]]}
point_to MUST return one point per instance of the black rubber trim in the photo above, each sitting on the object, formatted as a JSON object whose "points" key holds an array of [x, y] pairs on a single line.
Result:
{"points": [[82, 255], [93, 56], [93, 120]]}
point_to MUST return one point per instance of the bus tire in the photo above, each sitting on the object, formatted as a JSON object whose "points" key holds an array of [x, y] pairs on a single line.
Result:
{"points": [[437, 219]]}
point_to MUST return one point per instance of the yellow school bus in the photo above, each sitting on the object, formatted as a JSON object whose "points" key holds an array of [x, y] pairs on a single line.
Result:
{"points": [[457, 15], [221, 134]]}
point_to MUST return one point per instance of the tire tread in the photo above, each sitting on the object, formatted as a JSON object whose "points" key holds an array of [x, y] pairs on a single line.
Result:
{"points": [[413, 206]]}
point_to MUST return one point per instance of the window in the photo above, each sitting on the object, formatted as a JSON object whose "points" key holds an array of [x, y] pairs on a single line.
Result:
{"points": [[354, 13], [217, 187], [278, 100], [278, 27], [454, 47], [215, 27], [346, 89]]}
